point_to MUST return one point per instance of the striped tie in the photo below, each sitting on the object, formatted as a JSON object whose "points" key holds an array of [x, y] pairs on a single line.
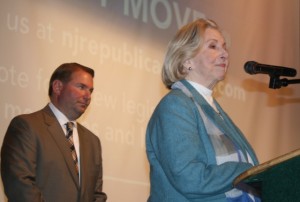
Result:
{"points": [[69, 127]]}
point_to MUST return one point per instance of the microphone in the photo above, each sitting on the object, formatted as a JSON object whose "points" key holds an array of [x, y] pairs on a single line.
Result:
{"points": [[252, 67]]}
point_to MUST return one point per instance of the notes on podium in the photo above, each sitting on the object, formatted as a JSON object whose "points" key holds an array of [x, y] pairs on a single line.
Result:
{"points": [[274, 180]]}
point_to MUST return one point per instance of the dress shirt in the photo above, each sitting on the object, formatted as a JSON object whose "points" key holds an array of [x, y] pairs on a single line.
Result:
{"points": [[62, 119]]}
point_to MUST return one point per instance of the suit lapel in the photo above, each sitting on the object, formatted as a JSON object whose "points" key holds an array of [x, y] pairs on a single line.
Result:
{"points": [[223, 122], [209, 111], [84, 152], [58, 135]]}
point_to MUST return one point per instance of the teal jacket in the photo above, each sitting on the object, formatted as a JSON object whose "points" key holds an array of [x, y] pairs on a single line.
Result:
{"points": [[181, 155]]}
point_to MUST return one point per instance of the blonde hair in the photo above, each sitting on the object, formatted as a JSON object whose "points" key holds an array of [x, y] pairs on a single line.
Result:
{"points": [[185, 45]]}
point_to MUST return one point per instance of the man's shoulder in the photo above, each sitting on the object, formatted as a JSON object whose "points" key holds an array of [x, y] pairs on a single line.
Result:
{"points": [[27, 115], [33, 117], [82, 129]]}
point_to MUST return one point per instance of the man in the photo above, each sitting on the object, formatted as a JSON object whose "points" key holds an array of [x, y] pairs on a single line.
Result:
{"points": [[42, 160]]}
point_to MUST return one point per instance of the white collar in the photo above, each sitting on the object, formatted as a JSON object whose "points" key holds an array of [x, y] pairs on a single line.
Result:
{"points": [[62, 119]]}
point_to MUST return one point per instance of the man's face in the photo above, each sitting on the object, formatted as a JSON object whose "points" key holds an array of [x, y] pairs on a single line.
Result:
{"points": [[75, 96]]}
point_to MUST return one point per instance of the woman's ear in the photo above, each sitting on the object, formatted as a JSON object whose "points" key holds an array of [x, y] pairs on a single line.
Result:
{"points": [[187, 64]]}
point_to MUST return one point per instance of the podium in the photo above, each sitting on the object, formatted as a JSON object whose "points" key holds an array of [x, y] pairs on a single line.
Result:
{"points": [[277, 180]]}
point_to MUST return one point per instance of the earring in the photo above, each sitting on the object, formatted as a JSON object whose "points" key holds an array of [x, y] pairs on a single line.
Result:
{"points": [[190, 68]]}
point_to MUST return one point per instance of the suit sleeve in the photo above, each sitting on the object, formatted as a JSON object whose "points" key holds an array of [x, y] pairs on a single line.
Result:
{"points": [[18, 163], [99, 195]]}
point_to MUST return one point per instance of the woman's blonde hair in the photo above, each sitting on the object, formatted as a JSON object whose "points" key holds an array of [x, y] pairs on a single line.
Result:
{"points": [[185, 45]]}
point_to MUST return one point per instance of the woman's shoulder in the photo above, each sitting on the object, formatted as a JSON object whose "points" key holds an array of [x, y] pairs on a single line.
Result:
{"points": [[175, 94], [174, 99]]}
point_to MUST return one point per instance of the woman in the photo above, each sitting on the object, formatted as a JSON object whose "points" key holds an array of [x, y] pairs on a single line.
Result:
{"points": [[194, 149]]}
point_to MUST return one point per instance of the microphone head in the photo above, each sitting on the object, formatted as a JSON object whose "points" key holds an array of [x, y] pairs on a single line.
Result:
{"points": [[250, 67]]}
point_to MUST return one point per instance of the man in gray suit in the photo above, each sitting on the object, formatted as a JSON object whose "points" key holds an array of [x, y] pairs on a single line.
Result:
{"points": [[37, 163]]}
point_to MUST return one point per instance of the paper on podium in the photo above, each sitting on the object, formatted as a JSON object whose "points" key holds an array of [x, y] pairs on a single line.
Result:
{"points": [[274, 180]]}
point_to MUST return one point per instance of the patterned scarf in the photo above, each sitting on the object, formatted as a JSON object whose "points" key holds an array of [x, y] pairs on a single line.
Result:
{"points": [[228, 141]]}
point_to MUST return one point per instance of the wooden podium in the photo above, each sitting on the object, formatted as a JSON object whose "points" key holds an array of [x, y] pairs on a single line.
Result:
{"points": [[274, 180]]}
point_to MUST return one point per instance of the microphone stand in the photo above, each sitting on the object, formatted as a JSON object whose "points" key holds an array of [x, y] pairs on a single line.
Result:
{"points": [[276, 82]]}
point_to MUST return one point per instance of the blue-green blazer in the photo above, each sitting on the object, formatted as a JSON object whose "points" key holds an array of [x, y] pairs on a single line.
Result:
{"points": [[181, 155]]}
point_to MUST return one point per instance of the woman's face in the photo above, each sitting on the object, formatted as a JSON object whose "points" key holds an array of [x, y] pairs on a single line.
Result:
{"points": [[211, 62]]}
